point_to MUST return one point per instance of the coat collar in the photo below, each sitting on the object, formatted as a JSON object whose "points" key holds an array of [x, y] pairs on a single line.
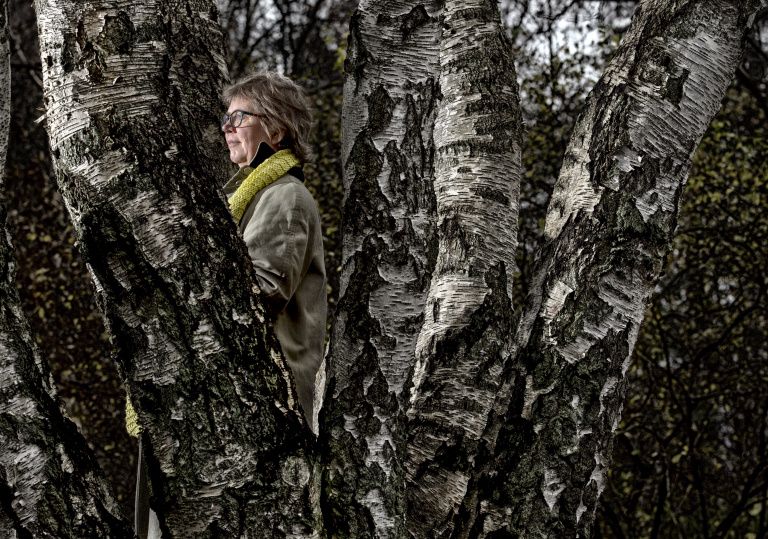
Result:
{"points": [[264, 152]]}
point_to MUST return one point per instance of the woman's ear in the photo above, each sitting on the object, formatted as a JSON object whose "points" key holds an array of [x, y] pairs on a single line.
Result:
{"points": [[276, 137]]}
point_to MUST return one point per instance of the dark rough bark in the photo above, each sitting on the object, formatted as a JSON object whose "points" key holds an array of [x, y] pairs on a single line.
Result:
{"points": [[390, 100], [50, 482], [132, 97], [609, 228]]}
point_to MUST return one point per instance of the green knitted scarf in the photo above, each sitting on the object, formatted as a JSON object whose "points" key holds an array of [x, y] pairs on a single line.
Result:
{"points": [[267, 172]]}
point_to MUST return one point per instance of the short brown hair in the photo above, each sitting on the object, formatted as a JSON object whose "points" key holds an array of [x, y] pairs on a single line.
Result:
{"points": [[282, 105]]}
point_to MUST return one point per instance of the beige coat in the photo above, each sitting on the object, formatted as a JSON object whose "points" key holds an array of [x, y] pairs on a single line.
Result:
{"points": [[281, 227]]}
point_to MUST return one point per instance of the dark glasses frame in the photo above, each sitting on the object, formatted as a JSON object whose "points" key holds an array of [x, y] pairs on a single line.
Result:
{"points": [[236, 118]]}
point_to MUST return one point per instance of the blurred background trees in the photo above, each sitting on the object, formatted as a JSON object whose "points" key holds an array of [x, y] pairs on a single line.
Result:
{"points": [[691, 455]]}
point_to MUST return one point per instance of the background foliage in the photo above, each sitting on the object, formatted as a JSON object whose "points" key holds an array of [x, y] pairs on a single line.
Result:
{"points": [[691, 455]]}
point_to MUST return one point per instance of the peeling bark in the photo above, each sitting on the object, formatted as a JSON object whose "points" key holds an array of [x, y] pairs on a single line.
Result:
{"points": [[609, 228], [390, 246], [465, 338], [132, 96], [50, 482]]}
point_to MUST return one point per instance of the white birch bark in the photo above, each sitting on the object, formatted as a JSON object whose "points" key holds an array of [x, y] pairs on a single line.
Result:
{"points": [[468, 316], [477, 171], [389, 251], [610, 225], [132, 97], [50, 483]]}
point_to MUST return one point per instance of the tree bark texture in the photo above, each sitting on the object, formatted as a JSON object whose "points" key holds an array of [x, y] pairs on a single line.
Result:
{"points": [[132, 97], [50, 482], [610, 226], [465, 338], [389, 251], [429, 233]]}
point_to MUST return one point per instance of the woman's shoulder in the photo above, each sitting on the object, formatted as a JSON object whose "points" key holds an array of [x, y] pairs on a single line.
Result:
{"points": [[288, 191]]}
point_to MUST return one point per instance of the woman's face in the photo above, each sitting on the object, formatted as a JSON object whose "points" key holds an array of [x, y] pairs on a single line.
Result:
{"points": [[243, 141]]}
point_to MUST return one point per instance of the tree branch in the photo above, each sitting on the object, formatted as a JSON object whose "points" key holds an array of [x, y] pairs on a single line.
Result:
{"points": [[607, 232]]}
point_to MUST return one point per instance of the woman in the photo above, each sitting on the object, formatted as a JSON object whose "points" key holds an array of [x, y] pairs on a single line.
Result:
{"points": [[267, 129], [267, 126]]}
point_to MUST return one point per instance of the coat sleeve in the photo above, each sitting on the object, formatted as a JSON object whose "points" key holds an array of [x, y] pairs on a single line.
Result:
{"points": [[277, 237]]}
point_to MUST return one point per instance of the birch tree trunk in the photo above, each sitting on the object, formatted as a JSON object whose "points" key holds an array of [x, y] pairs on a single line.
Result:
{"points": [[432, 158], [132, 97], [468, 316], [609, 229], [391, 97], [610, 226], [50, 483]]}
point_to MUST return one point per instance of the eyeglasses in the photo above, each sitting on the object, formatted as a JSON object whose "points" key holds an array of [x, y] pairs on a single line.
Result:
{"points": [[236, 118]]}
